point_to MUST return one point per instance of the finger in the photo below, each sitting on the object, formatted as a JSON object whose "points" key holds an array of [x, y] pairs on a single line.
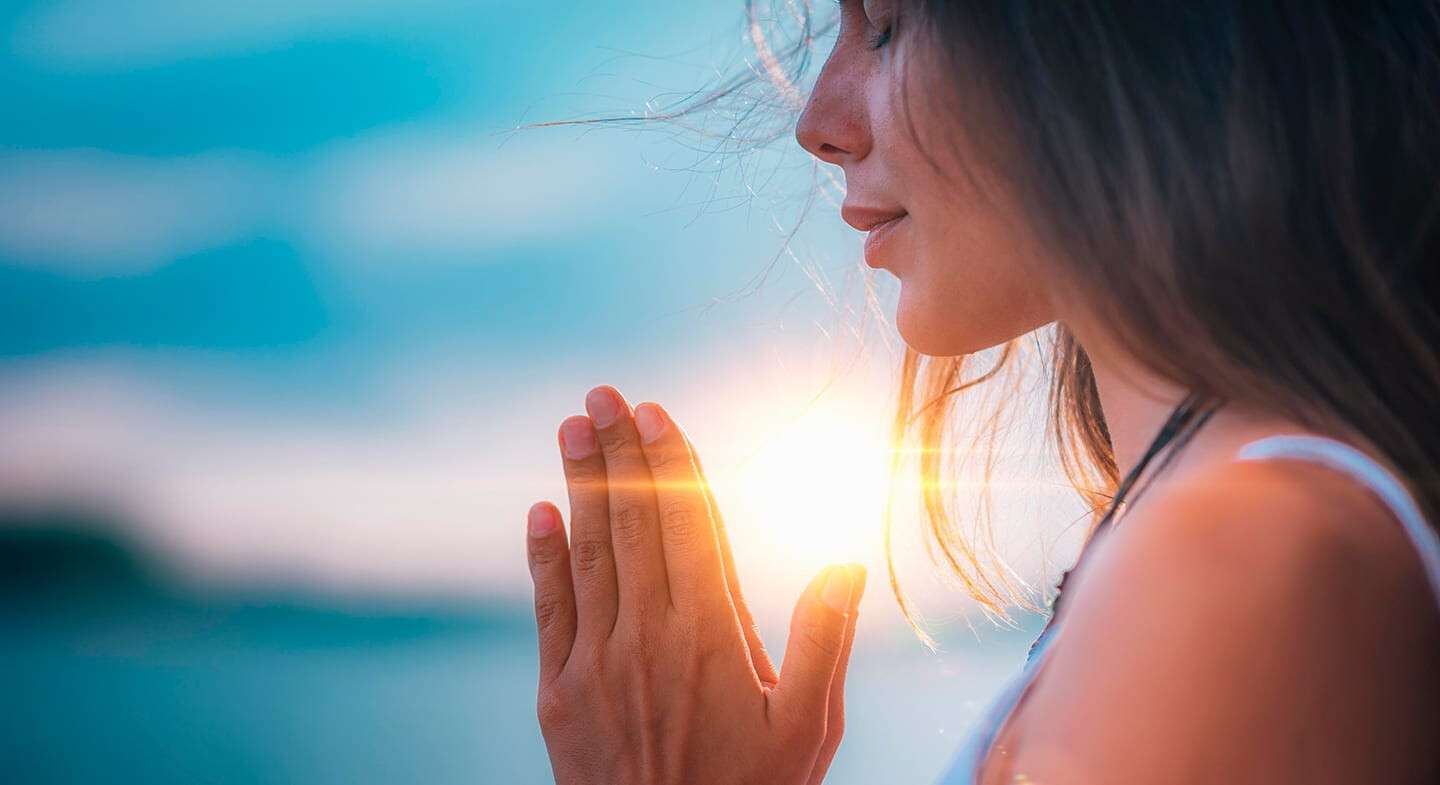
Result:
{"points": [[554, 594], [592, 565], [835, 703], [693, 567], [634, 520], [817, 638], [764, 666]]}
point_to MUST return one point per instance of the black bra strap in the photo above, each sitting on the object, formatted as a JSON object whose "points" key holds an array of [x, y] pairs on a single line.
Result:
{"points": [[1185, 419]]}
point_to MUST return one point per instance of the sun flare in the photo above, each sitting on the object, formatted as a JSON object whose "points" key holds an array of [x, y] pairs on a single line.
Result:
{"points": [[813, 490]]}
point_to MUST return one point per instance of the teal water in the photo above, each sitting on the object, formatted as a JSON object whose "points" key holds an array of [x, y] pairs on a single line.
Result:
{"points": [[113, 676]]}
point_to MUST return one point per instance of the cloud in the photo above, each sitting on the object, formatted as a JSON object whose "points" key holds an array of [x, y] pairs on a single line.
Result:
{"points": [[99, 34], [424, 489], [389, 197], [406, 505], [93, 213], [461, 191]]}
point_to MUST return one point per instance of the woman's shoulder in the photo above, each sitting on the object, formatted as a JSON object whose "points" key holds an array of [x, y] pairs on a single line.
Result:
{"points": [[1308, 548], [1240, 614], [1288, 526]]}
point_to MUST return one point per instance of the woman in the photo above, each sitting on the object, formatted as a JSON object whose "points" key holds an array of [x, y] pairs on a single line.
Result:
{"points": [[1229, 211]]}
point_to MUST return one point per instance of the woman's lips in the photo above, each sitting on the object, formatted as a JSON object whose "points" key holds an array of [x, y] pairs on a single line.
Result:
{"points": [[879, 222], [875, 241]]}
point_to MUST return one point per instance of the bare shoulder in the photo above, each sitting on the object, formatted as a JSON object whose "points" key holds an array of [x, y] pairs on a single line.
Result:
{"points": [[1269, 620], [1298, 545], [1287, 526]]}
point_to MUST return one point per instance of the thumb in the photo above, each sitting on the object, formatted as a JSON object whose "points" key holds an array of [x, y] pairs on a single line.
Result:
{"points": [[817, 640]]}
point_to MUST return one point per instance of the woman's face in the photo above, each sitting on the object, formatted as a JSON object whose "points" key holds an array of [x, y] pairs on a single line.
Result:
{"points": [[938, 222]]}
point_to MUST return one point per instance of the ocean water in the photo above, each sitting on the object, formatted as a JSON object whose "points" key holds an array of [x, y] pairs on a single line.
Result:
{"points": [[111, 677]]}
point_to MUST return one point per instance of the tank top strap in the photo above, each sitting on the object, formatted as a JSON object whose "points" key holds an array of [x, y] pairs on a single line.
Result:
{"points": [[1344, 458]]}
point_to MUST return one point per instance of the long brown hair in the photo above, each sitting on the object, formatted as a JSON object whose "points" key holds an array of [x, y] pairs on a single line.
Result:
{"points": [[1250, 191]]}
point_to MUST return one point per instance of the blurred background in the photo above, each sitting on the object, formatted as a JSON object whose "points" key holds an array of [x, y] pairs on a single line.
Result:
{"points": [[289, 313]]}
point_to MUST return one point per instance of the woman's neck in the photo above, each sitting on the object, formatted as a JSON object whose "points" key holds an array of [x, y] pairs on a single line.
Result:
{"points": [[1136, 402]]}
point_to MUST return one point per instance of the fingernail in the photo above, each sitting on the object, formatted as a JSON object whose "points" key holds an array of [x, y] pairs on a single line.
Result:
{"points": [[649, 421], [542, 519], [603, 405], [836, 593], [577, 438]]}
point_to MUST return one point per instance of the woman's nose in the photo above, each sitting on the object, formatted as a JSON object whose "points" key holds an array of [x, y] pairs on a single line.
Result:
{"points": [[834, 126]]}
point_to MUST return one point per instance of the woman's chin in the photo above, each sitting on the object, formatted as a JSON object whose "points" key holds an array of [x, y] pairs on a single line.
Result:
{"points": [[924, 332], [942, 332]]}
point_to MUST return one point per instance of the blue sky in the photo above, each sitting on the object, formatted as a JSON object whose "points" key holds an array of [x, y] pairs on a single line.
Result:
{"points": [[283, 290], [281, 286]]}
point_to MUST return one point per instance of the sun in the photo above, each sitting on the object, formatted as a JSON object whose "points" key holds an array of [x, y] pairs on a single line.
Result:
{"points": [[812, 491]]}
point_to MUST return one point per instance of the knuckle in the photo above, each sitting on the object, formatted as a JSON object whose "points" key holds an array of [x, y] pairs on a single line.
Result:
{"points": [[679, 520], [586, 475], [665, 461], [590, 555], [617, 444], [549, 609], [546, 553], [627, 521], [554, 708]]}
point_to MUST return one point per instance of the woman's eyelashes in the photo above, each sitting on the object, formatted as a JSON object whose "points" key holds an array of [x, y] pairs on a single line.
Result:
{"points": [[877, 34], [879, 21], [880, 37]]}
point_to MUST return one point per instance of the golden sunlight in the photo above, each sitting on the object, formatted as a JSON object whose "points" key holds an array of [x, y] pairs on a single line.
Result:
{"points": [[813, 491]]}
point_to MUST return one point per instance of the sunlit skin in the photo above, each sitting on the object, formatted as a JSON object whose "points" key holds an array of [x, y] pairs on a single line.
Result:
{"points": [[1197, 635]]}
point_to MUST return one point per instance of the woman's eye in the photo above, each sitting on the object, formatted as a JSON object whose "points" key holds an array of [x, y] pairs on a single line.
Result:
{"points": [[880, 20], [880, 37]]}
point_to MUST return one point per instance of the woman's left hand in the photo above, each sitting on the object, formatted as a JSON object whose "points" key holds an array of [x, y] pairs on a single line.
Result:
{"points": [[651, 670]]}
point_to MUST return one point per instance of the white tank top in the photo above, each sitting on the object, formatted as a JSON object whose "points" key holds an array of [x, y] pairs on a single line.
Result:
{"points": [[964, 768]]}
